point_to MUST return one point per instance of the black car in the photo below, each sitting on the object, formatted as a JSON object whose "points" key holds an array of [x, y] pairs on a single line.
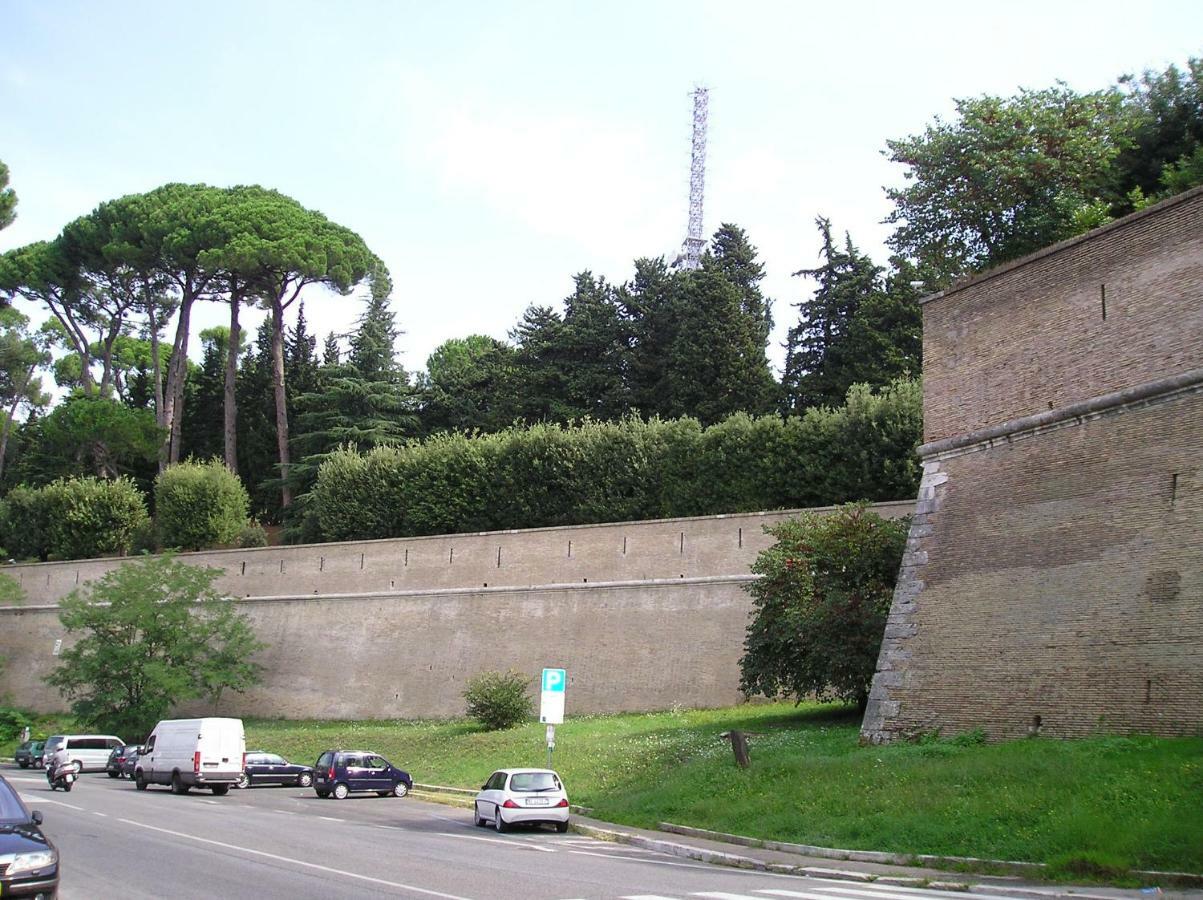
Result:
{"points": [[29, 754], [131, 763], [31, 861], [116, 764], [268, 768], [339, 772]]}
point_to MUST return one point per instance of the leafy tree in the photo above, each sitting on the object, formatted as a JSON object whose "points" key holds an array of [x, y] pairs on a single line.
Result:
{"points": [[199, 505], [23, 518], [21, 355], [88, 517], [468, 385], [1166, 113], [651, 299], [93, 436], [595, 346], [152, 634], [820, 606], [8, 199], [1007, 177]]}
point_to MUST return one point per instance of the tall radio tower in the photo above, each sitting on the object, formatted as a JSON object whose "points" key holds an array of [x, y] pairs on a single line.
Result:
{"points": [[691, 250]]}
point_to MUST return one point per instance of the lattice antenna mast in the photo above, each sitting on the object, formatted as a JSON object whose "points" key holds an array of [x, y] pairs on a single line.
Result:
{"points": [[695, 244]]}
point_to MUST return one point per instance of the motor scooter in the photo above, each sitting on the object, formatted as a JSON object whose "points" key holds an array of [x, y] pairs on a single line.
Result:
{"points": [[63, 776]]}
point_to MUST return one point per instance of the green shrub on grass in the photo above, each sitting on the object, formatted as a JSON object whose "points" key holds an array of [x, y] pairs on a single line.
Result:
{"points": [[499, 701], [89, 517]]}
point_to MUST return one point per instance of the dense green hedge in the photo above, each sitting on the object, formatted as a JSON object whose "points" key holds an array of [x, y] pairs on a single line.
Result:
{"points": [[618, 471], [199, 505], [72, 518]]}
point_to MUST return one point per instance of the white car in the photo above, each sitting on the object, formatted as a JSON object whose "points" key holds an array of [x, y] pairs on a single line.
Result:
{"points": [[511, 796]]}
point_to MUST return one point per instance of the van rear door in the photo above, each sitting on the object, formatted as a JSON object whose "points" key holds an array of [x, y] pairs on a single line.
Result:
{"points": [[220, 748]]}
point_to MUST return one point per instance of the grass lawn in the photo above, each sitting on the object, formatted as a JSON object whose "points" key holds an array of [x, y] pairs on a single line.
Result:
{"points": [[1086, 806]]}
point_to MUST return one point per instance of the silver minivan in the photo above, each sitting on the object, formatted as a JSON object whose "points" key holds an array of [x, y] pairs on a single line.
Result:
{"points": [[90, 750]]}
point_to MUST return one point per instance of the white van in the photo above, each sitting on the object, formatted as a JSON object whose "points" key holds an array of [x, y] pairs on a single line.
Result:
{"points": [[91, 751], [188, 753]]}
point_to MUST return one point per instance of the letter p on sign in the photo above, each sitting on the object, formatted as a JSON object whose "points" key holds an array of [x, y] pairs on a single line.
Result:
{"points": [[551, 701]]}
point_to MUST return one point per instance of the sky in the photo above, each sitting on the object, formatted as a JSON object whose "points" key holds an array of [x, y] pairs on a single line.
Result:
{"points": [[488, 151]]}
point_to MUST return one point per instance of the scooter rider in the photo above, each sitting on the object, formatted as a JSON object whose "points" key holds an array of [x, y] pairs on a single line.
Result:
{"points": [[57, 758]]}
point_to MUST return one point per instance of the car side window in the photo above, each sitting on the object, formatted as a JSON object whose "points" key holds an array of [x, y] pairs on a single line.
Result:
{"points": [[353, 762], [150, 745], [497, 782]]}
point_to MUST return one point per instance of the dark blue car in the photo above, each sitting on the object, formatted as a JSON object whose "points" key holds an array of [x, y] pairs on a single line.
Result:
{"points": [[341, 772]]}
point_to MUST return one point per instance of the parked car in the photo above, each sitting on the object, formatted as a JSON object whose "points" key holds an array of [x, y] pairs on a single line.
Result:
{"points": [[341, 772], [513, 796], [268, 768], [187, 753], [28, 860], [131, 763], [29, 754], [116, 764], [91, 751]]}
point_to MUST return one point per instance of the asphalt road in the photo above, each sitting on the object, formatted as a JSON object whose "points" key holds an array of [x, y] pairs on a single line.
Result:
{"points": [[285, 843]]}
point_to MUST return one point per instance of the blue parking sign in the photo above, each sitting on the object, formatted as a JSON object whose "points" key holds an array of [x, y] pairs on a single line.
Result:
{"points": [[554, 680]]}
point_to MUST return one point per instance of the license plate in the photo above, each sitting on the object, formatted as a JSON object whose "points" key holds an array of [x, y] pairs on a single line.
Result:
{"points": [[537, 801]]}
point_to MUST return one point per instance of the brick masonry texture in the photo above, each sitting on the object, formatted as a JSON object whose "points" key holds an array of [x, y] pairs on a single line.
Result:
{"points": [[1053, 579], [644, 615]]}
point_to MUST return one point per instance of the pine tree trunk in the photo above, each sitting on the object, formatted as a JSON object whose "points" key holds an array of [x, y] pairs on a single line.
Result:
{"points": [[281, 400], [231, 401], [157, 370], [177, 371]]}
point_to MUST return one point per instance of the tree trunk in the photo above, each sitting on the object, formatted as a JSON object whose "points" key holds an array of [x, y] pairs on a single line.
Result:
{"points": [[231, 401], [281, 399], [152, 323], [5, 430], [177, 372]]}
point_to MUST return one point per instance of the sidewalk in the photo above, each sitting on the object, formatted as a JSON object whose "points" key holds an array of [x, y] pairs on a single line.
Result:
{"points": [[703, 847]]}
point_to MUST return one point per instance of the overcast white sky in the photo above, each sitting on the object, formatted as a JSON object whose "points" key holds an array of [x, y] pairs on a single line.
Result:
{"points": [[488, 151]]}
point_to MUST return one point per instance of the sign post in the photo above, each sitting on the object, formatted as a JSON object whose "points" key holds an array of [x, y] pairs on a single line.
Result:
{"points": [[551, 705]]}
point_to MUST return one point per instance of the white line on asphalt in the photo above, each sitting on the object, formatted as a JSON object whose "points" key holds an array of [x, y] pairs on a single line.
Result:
{"points": [[328, 818], [102, 815], [509, 843], [885, 892], [295, 862], [722, 895], [61, 803], [646, 897]]}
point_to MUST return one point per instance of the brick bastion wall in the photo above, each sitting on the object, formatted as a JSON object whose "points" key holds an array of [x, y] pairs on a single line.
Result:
{"points": [[1053, 579], [643, 615]]}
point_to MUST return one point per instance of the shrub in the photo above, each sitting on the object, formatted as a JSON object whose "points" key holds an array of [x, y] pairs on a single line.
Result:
{"points": [[89, 517], [199, 505], [253, 535], [23, 520], [499, 701], [13, 722]]}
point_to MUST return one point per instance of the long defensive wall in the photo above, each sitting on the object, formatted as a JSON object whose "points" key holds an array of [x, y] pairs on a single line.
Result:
{"points": [[643, 615], [1053, 580]]}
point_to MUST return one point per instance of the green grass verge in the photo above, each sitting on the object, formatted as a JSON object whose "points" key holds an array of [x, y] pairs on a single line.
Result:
{"points": [[1086, 806]]}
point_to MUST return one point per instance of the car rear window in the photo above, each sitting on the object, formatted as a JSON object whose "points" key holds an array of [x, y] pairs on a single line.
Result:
{"points": [[323, 761], [534, 781]]}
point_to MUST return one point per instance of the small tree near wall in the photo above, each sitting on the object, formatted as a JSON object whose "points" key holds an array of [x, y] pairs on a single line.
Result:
{"points": [[821, 605], [151, 634]]}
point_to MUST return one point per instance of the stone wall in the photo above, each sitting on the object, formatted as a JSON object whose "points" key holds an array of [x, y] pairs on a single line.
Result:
{"points": [[644, 615], [1053, 580]]}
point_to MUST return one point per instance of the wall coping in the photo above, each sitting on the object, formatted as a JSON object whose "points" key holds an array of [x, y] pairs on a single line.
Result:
{"points": [[445, 592], [1062, 246], [1159, 391], [761, 514]]}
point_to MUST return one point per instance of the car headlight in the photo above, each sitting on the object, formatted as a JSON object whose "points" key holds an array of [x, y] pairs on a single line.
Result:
{"points": [[27, 862]]}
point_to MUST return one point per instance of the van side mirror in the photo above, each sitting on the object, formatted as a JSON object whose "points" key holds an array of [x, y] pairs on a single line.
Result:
{"points": [[36, 817]]}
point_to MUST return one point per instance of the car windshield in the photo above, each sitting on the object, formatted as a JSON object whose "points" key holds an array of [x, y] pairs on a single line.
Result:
{"points": [[534, 781], [11, 807]]}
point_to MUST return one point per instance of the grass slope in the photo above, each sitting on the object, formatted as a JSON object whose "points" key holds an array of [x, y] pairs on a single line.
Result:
{"points": [[1089, 805]]}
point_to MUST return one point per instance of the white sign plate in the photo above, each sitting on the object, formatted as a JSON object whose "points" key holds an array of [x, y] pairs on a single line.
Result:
{"points": [[551, 699]]}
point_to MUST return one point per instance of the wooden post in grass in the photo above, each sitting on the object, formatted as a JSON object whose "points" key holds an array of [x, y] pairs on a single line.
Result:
{"points": [[739, 744]]}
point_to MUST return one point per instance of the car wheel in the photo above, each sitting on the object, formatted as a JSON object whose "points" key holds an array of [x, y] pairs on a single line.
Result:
{"points": [[304, 779], [400, 789], [177, 784], [322, 794], [220, 790], [341, 791], [562, 827], [244, 781], [23, 764], [139, 781], [498, 822], [481, 822]]}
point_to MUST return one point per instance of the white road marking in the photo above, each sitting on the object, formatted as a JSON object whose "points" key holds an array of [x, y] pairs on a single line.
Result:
{"points": [[509, 843], [839, 891], [722, 895], [328, 818], [647, 897], [61, 803], [102, 815], [648, 861], [295, 862]]}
